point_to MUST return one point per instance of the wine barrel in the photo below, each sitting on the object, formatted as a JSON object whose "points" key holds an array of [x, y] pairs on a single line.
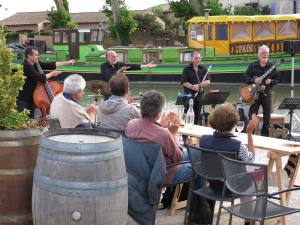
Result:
{"points": [[80, 178], [18, 153]]}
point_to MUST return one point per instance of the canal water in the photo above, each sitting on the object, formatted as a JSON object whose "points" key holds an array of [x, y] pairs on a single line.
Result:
{"points": [[170, 91]]}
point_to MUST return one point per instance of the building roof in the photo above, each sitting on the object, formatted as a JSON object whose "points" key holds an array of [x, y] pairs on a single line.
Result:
{"points": [[25, 18], [29, 18]]}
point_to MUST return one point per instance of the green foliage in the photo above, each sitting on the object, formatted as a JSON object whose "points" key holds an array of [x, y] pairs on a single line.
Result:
{"points": [[147, 22], [12, 37], [170, 21], [215, 7], [251, 10], [10, 84], [182, 8], [60, 19], [121, 30]]}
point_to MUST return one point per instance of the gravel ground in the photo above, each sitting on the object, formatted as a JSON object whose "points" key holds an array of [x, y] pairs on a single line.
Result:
{"points": [[163, 217]]}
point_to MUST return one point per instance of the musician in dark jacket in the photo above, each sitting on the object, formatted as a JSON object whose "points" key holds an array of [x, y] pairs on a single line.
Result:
{"points": [[33, 76], [193, 83], [253, 76], [111, 67]]}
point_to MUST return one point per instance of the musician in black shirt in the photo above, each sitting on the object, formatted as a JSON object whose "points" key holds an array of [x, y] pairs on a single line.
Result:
{"points": [[193, 83], [33, 76], [252, 76], [111, 67]]}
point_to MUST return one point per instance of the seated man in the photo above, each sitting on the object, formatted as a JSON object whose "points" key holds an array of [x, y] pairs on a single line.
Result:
{"points": [[115, 112], [66, 107], [147, 129]]}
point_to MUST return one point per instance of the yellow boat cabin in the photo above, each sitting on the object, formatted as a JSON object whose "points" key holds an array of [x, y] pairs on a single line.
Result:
{"points": [[242, 34]]}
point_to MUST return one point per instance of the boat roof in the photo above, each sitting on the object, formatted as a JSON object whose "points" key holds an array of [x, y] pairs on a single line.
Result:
{"points": [[225, 19], [147, 48]]}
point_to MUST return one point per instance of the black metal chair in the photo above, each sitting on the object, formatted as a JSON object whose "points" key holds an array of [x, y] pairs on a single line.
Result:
{"points": [[251, 180], [206, 164]]}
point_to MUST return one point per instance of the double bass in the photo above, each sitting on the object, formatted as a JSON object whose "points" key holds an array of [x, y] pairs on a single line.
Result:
{"points": [[44, 94]]}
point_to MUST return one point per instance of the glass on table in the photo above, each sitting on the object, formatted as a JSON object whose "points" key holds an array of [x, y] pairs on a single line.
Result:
{"points": [[239, 127]]}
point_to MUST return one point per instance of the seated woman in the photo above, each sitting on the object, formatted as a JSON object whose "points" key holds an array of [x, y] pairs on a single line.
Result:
{"points": [[65, 106], [224, 119]]}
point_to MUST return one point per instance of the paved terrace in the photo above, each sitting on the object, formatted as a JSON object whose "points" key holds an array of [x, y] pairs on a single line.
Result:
{"points": [[163, 217]]}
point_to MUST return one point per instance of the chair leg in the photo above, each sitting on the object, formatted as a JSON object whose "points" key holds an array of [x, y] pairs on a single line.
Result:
{"points": [[176, 204], [230, 216], [185, 222], [262, 222], [219, 213]]}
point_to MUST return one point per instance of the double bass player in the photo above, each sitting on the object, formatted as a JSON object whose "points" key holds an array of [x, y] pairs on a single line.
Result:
{"points": [[33, 76]]}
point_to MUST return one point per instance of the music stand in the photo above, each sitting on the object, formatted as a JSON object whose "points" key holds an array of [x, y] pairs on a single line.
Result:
{"points": [[291, 104], [213, 98]]}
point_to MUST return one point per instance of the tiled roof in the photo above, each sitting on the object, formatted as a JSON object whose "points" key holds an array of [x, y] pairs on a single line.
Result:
{"points": [[27, 18]]}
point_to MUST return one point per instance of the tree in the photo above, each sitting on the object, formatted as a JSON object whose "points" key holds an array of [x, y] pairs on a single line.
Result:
{"points": [[10, 84], [120, 27], [61, 17], [252, 9], [215, 7], [147, 22]]}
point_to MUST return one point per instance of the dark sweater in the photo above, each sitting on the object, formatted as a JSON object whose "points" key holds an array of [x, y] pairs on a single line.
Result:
{"points": [[32, 78]]}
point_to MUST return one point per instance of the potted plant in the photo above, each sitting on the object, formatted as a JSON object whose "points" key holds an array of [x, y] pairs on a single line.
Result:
{"points": [[19, 142]]}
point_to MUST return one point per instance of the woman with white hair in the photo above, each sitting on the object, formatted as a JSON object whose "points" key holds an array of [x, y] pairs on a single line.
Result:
{"points": [[66, 108]]}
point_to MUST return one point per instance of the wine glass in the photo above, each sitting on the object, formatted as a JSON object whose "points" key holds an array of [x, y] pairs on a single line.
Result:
{"points": [[240, 126]]}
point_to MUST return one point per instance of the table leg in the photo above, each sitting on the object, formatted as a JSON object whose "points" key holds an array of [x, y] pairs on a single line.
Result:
{"points": [[293, 178], [270, 164], [283, 199]]}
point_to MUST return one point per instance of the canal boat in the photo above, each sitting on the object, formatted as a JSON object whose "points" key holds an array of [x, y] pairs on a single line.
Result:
{"points": [[227, 43]]}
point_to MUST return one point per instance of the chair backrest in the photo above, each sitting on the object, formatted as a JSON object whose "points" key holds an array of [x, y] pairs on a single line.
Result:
{"points": [[53, 123], [146, 169], [206, 163], [245, 178]]}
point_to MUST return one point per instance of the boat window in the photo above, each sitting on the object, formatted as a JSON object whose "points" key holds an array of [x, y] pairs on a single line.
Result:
{"points": [[241, 31], [185, 57], [151, 57], [286, 28], [122, 57], [221, 31], [57, 37], [83, 37], [65, 37], [209, 35], [94, 36], [73, 38], [263, 30], [196, 32]]}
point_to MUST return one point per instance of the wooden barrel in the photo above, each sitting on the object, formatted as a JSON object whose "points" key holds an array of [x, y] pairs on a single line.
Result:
{"points": [[18, 152], [80, 178]]}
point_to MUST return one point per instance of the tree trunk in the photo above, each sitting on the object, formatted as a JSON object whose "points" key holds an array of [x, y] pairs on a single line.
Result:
{"points": [[59, 4], [198, 6], [115, 6]]}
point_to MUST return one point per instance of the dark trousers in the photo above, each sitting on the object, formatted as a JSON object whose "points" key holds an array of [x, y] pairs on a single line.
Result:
{"points": [[264, 100], [21, 105]]}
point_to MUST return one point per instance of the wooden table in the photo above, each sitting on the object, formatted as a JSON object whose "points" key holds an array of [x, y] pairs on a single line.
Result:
{"points": [[277, 149]]}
